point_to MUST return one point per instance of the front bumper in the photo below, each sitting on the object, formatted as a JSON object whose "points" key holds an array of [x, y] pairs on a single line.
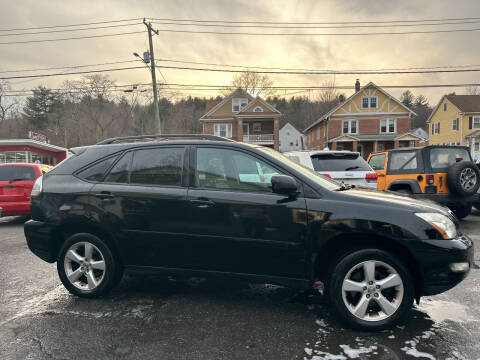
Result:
{"points": [[435, 257], [41, 240], [447, 199]]}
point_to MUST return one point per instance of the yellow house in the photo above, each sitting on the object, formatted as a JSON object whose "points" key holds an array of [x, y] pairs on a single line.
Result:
{"points": [[456, 121]]}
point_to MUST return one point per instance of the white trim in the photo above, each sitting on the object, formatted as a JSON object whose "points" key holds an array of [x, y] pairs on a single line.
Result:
{"points": [[224, 101], [454, 121], [228, 130], [350, 126], [258, 107], [237, 101], [32, 143], [262, 102], [221, 119], [436, 129], [265, 116], [367, 114], [387, 126], [473, 122]]}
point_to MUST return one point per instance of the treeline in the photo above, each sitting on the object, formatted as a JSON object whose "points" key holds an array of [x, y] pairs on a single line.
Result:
{"points": [[86, 111]]}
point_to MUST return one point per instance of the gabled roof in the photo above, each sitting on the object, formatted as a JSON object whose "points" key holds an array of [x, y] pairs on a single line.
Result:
{"points": [[464, 104], [257, 101], [243, 93], [335, 108], [371, 137], [288, 125]]}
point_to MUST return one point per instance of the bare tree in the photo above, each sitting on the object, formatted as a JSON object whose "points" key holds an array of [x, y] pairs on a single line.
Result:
{"points": [[253, 83], [329, 94], [7, 106]]}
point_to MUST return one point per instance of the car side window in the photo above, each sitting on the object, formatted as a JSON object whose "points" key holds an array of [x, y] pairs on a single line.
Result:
{"points": [[233, 170], [404, 160], [119, 172], [97, 171], [158, 166], [377, 162]]}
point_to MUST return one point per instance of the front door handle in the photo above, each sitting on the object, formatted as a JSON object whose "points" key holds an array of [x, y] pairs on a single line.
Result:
{"points": [[202, 203], [104, 195]]}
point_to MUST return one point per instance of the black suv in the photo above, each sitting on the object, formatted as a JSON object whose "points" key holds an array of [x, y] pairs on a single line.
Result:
{"points": [[208, 206]]}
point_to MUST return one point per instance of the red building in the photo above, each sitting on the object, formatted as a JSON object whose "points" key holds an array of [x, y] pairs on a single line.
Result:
{"points": [[30, 151]]}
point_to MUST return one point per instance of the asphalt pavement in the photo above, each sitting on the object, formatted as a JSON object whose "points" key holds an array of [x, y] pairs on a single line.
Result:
{"points": [[149, 317]]}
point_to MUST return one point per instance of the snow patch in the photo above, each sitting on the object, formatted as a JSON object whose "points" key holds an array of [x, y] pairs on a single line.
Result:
{"points": [[355, 353]]}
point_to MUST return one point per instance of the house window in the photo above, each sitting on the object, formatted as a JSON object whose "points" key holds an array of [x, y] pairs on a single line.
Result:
{"points": [[381, 147], [387, 126], [444, 106], [238, 104], [257, 127], [476, 122], [436, 128], [349, 126], [224, 130], [369, 102], [318, 133], [258, 109], [455, 124]]}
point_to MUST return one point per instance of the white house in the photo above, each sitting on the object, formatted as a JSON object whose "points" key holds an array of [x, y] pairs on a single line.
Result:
{"points": [[291, 139]]}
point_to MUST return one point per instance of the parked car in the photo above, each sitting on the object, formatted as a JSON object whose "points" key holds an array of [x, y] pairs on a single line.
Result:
{"points": [[184, 207], [16, 182], [445, 174], [343, 166]]}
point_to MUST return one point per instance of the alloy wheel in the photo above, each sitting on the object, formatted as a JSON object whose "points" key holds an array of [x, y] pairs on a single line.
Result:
{"points": [[84, 266], [372, 290], [468, 178]]}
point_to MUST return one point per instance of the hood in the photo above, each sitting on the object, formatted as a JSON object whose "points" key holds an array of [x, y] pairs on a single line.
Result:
{"points": [[395, 200]]}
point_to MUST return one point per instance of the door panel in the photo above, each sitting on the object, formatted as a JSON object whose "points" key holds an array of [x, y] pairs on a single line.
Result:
{"points": [[236, 229]]}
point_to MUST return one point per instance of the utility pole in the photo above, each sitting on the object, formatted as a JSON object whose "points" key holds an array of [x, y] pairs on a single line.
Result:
{"points": [[154, 77]]}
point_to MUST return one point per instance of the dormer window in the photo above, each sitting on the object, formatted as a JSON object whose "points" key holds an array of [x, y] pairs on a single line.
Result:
{"points": [[369, 102], [258, 109], [238, 104]]}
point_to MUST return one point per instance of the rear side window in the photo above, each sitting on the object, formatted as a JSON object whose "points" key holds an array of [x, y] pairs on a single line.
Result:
{"points": [[119, 173], [160, 166], [97, 171], [339, 162], [444, 157], [377, 162], [404, 160], [13, 172]]}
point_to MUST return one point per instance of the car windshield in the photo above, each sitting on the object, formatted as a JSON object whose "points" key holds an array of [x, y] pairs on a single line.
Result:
{"points": [[14, 172], [444, 157], [312, 175], [339, 162]]}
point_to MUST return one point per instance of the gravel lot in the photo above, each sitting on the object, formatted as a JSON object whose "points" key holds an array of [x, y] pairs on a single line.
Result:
{"points": [[160, 318]]}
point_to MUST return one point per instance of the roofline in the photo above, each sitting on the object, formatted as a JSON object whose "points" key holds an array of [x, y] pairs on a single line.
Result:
{"points": [[373, 139], [259, 99], [35, 143], [330, 112], [225, 100]]}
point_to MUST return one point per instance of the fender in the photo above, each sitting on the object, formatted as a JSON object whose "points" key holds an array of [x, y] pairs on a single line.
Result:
{"points": [[413, 184]]}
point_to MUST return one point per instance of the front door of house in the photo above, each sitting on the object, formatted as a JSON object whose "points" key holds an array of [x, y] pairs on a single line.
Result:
{"points": [[245, 132], [475, 149]]}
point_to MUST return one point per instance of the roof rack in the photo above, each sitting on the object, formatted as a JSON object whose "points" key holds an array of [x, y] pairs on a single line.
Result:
{"points": [[165, 137]]}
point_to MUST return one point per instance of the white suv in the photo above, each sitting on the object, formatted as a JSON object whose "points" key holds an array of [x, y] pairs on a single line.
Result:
{"points": [[346, 166]]}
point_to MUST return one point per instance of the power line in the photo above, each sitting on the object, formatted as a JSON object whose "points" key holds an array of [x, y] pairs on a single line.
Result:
{"points": [[314, 23], [69, 38], [69, 25], [319, 34], [69, 67], [70, 30], [345, 26]]}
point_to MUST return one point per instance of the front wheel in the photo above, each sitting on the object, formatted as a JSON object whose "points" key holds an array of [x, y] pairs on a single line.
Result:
{"points": [[370, 289], [87, 266]]}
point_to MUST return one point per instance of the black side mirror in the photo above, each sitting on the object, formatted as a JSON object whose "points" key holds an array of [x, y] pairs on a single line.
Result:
{"points": [[284, 184]]}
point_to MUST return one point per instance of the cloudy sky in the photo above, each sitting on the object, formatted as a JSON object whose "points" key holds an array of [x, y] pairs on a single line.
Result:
{"points": [[315, 52]]}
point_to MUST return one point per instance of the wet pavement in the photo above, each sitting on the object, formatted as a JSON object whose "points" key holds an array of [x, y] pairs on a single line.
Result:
{"points": [[163, 318]]}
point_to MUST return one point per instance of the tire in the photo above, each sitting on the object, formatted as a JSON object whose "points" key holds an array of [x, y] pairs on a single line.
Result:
{"points": [[463, 178], [404, 191], [85, 277], [352, 267], [462, 211], [476, 205]]}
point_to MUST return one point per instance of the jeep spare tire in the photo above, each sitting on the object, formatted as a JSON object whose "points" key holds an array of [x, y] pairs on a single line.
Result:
{"points": [[463, 178]]}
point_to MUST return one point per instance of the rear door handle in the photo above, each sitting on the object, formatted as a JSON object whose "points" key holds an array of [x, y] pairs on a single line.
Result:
{"points": [[104, 195], [202, 203]]}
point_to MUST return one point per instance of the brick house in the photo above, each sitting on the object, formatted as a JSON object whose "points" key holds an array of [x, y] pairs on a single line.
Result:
{"points": [[242, 117], [370, 120]]}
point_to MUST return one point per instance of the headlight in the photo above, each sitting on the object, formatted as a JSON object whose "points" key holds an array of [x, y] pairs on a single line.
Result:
{"points": [[37, 187], [443, 224]]}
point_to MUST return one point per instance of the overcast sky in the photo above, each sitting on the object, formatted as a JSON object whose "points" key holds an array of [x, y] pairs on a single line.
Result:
{"points": [[316, 52]]}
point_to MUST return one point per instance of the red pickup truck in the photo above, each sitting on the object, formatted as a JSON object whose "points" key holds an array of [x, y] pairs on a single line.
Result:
{"points": [[16, 182]]}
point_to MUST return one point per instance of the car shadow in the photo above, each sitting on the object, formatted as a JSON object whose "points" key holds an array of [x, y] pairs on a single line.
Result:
{"points": [[13, 220]]}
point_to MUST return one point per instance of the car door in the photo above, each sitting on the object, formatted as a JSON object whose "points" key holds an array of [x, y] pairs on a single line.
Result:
{"points": [[378, 163], [144, 200], [235, 222]]}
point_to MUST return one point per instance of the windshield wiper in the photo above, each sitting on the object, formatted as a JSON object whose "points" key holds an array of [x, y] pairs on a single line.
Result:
{"points": [[352, 167]]}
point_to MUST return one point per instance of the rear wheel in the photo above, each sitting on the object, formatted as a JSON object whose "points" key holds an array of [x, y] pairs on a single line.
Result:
{"points": [[370, 289], [87, 266]]}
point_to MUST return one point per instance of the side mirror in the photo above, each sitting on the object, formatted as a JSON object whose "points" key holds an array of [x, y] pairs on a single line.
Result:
{"points": [[284, 184]]}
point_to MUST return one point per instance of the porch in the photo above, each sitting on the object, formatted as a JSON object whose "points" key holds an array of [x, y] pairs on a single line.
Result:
{"points": [[473, 142], [259, 131]]}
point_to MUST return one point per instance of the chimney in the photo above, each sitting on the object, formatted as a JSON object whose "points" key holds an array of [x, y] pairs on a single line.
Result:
{"points": [[357, 86], [341, 98]]}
